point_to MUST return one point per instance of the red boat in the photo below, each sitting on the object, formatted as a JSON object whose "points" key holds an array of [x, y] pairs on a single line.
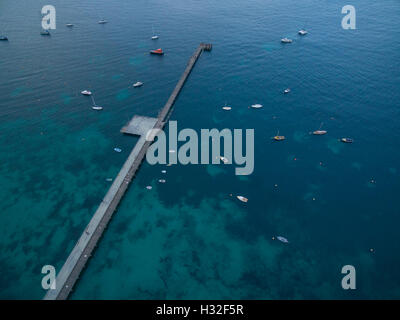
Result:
{"points": [[158, 51]]}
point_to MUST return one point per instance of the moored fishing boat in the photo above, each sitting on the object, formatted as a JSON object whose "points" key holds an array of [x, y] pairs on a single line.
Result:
{"points": [[157, 51], [243, 199]]}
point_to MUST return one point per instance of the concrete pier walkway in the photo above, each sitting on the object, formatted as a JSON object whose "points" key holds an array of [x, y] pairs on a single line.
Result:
{"points": [[76, 261]]}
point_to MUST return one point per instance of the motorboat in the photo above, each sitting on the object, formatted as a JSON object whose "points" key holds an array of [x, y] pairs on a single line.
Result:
{"points": [[347, 140], [243, 199], [69, 25], [3, 38], [86, 93], [137, 84], [224, 160], [157, 51], [303, 32], [257, 106], [286, 40], [102, 21], [45, 33], [282, 239], [286, 91]]}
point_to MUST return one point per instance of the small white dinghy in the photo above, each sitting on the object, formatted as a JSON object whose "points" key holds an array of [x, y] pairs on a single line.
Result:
{"points": [[257, 106], [243, 199], [137, 84], [86, 93], [161, 181], [286, 91]]}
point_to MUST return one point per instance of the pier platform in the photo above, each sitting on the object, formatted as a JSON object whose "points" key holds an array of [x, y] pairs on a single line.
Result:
{"points": [[139, 125]]}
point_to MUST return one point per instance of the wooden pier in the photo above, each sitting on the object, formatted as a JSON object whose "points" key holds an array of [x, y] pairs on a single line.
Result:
{"points": [[76, 261]]}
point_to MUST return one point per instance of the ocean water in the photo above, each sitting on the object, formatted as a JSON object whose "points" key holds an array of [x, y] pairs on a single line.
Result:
{"points": [[188, 238]]}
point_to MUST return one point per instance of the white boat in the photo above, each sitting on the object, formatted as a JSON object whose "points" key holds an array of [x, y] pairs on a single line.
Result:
{"points": [[303, 32], [161, 181], [69, 25], [95, 106], [257, 106], [225, 107], [224, 160], [117, 150], [149, 187], [286, 40], [86, 93], [102, 21], [320, 132], [243, 199], [282, 239], [286, 90], [137, 84], [154, 37]]}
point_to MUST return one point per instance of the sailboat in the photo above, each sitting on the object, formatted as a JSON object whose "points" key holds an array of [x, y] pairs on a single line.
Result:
{"points": [[154, 37], [226, 107], [95, 106], [320, 132], [278, 137], [3, 38]]}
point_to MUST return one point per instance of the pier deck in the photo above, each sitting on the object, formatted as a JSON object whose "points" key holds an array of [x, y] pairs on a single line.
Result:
{"points": [[83, 249]]}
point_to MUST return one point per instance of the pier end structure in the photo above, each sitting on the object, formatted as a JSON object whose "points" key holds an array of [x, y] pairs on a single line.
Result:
{"points": [[87, 242]]}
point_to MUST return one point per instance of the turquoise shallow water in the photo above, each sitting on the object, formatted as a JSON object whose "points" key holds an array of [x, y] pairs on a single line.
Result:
{"points": [[188, 238]]}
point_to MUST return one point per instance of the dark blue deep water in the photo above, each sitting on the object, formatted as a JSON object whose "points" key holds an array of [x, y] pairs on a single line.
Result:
{"points": [[188, 238]]}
